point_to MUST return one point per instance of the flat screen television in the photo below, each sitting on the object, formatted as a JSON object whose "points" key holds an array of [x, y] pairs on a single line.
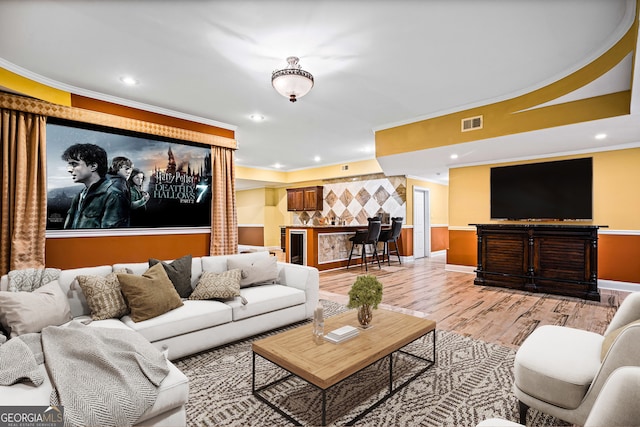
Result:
{"points": [[557, 190]]}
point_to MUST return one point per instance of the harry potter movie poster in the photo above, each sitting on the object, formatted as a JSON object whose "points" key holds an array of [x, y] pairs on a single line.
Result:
{"points": [[106, 179]]}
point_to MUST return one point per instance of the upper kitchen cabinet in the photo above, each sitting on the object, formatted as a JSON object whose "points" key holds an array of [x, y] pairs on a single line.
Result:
{"points": [[305, 199]]}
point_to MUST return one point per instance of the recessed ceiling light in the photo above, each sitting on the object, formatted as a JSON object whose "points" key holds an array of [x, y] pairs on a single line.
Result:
{"points": [[601, 136], [454, 156], [256, 117], [129, 81], [316, 159], [277, 166], [368, 149]]}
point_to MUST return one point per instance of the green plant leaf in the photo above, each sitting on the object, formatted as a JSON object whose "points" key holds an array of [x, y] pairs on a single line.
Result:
{"points": [[367, 290]]}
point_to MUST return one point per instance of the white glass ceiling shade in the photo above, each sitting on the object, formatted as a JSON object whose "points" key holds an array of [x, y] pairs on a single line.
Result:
{"points": [[292, 82]]}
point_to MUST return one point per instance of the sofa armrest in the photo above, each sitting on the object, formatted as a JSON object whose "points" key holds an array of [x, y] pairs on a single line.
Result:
{"points": [[304, 278], [628, 312], [623, 352]]}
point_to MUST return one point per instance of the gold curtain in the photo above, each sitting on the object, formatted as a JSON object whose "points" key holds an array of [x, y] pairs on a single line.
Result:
{"points": [[23, 185], [224, 221]]}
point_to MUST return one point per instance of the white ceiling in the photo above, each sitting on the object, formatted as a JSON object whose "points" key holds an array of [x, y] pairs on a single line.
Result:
{"points": [[376, 64]]}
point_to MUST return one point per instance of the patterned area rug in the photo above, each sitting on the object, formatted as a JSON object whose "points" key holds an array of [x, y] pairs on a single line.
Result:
{"points": [[470, 382]]}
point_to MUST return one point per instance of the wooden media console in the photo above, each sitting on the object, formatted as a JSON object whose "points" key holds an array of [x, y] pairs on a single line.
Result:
{"points": [[549, 258]]}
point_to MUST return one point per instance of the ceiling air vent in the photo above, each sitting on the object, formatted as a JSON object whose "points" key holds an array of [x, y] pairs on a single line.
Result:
{"points": [[471, 123]]}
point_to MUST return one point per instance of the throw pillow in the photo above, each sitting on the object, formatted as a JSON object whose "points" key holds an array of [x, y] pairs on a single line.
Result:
{"points": [[26, 312], [104, 296], [29, 279], [149, 295], [611, 337], [179, 272], [218, 285], [257, 271]]}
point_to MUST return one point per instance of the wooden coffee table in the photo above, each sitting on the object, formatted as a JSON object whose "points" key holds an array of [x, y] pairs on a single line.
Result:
{"points": [[325, 364]]}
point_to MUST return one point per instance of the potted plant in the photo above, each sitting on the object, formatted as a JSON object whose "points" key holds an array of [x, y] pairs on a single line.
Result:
{"points": [[365, 295]]}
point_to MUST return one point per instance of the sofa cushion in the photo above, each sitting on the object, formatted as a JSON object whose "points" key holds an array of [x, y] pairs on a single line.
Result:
{"points": [[218, 263], [179, 272], [557, 364], [223, 285], [25, 312], [264, 299], [149, 295], [103, 295], [255, 271], [192, 316]]}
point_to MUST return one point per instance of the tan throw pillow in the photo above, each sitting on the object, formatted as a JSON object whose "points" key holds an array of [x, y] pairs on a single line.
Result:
{"points": [[149, 295], [104, 296], [223, 285], [256, 271], [611, 337], [26, 312]]}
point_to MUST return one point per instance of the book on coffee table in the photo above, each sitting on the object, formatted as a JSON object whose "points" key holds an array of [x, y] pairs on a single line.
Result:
{"points": [[341, 334]]}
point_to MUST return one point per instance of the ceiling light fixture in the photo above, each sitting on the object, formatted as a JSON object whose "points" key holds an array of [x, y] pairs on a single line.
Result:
{"points": [[129, 81], [292, 82], [601, 136], [256, 117]]}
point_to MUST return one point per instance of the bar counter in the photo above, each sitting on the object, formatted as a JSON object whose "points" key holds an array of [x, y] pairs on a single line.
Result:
{"points": [[325, 247]]}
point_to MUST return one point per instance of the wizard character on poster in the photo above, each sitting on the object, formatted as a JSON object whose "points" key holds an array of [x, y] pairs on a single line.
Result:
{"points": [[104, 178]]}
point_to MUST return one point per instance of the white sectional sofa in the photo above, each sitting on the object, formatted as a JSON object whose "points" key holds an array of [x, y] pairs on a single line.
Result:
{"points": [[195, 326]]}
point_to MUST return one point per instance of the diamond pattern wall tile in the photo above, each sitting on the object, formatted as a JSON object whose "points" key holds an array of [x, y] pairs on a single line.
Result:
{"points": [[331, 198], [346, 197], [400, 194], [362, 216], [363, 196], [381, 195], [347, 217]]}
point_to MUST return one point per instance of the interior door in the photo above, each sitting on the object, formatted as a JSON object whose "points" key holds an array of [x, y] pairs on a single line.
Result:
{"points": [[421, 225]]}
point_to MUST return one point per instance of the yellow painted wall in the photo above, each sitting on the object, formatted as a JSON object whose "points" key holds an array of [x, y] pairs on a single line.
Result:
{"points": [[262, 206], [250, 205], [273, 217], [616, 198], [242, 172], [19, 84], [304, 177], [438, 201], [469, 195], [363, 167], [616, 189]]}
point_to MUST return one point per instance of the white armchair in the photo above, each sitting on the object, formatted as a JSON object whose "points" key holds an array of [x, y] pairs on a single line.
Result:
{"points": [[560, 370], [616, 405]]}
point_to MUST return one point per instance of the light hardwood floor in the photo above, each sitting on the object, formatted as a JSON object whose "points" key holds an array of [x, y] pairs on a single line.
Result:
{"points": [[490, 314]]}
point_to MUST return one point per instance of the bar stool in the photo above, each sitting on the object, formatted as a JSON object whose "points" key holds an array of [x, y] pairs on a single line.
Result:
{"points": [[367, 237], [391, 235]]}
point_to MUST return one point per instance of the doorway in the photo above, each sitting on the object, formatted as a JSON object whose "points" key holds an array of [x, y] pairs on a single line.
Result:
{"points": [[421, 223]]}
